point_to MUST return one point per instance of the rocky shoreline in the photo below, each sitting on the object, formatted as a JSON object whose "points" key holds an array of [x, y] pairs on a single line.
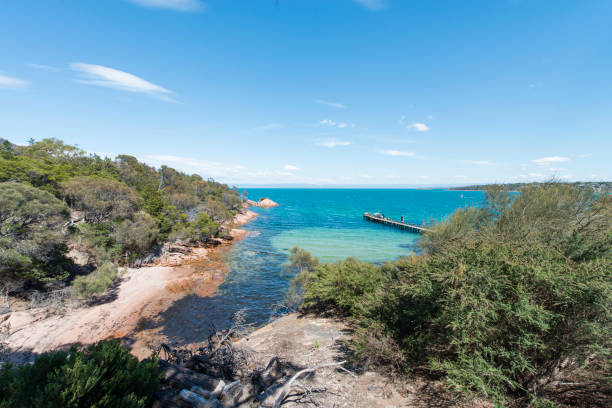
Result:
{"points": [[140, 294]]}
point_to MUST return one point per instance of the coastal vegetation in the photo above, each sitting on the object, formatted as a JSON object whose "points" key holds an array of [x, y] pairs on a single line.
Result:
{"points": [[55, 198], [507, 299], [103, 375], [597, 185]]}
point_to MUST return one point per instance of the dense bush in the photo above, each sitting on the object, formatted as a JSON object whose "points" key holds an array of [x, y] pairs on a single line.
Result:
{"points": [[101, 199], [199, 230], [32, 240], [127, 207], [502, 295], [96, 282], [136, 236], [344, 283], [105, 375]]}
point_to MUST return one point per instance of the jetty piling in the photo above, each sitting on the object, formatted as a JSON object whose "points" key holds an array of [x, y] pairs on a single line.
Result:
{"points": [[393, 223]]}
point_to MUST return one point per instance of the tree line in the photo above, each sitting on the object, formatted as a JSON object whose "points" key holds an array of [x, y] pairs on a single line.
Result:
{"points": [[54, 196]]}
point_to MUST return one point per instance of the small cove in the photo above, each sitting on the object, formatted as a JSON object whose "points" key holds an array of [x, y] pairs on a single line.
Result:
{"points": [[327, 222]]}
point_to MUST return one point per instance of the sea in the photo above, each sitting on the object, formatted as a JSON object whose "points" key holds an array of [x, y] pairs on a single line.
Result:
{"points": [[327, 222]]}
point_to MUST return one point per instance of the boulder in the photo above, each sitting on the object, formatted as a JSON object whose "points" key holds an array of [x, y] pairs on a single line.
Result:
{"points": [[266, 203]]}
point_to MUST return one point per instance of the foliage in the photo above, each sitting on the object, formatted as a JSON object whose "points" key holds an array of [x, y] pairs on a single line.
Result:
{"points": [[104, 375], [218, 211], [127, 207], [500, 297], [96, 282], [344, 283], [200, 230], [101, 199], [301, 266], [138, 235], [32, 241]]}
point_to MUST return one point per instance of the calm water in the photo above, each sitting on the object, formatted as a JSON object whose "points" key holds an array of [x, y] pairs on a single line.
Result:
{"points": [[327, 222]]}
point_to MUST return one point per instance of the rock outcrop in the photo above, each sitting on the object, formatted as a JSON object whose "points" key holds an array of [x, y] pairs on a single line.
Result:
{"points": [[266, 203]]}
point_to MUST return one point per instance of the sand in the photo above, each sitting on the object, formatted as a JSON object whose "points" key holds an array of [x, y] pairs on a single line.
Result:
{"points": [[142, 293]]}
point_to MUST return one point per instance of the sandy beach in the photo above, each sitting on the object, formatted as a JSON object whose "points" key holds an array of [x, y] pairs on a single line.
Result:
{"points": [[140, 294]]}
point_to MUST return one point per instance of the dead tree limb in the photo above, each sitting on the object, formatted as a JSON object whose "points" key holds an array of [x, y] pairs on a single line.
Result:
{"points": [[287, 387]]}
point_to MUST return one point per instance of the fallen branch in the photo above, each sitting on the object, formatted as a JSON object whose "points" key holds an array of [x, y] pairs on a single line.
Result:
{"points": [[287, 387]]}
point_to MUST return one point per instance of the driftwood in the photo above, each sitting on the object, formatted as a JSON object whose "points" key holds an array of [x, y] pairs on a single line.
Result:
{"points": [[287, 387], [218, 375]]}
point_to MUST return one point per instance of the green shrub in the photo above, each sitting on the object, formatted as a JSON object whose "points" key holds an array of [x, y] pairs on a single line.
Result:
{"points": [[32, 242], [104, 375], [500, 297], [342, 284], [101, 199], [301, 266], [200, 230], [96, 282], [138, 235]]}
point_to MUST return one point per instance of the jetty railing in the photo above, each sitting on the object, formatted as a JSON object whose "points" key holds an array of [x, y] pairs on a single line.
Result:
{"points": [[393, 223]]}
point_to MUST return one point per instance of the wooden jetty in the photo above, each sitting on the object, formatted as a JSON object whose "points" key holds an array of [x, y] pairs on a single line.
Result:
{"points": [[393, 223]]}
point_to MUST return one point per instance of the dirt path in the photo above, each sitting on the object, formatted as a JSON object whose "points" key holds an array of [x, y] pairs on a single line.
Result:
{"points": [[309, 341]]}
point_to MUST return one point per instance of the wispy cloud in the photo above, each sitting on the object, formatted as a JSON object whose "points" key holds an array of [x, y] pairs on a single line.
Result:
{"points": [[419, 127], [43, 67], [291, 167], [585, 155], [546, 161], [332, 143], [397, 153], [329, 122], [481, 162], [8, 82], [177, 5], [113, 78], [269, 126], [332, 104], [372, 4], [225, 172], [191, 165]]}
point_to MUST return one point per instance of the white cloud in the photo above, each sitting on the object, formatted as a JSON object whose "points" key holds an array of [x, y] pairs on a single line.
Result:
{"points": [[177, 5], [481, 162], [291, 167], [8, 82], [546, 161], [396, 153], [341, 125], [113, 78], [333, 143], [419, 127], [585, 155], [328, 122], [269, 126], [372, 4], [332, 104], [224, 172], [44, 67]]}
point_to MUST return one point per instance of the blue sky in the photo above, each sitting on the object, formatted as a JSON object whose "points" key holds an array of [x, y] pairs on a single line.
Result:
{"points": [[318, 91]]}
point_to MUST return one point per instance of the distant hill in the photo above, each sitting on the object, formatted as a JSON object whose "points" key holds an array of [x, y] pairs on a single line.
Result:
{"points": [[598, 185]]}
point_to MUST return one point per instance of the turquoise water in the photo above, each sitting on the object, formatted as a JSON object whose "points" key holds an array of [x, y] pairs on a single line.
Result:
{"points": [[327, 222]]}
